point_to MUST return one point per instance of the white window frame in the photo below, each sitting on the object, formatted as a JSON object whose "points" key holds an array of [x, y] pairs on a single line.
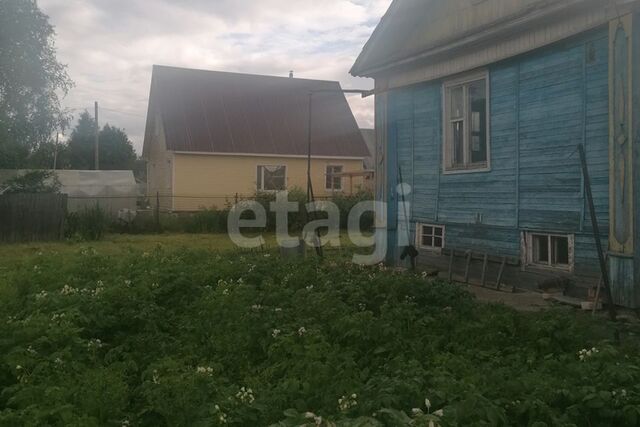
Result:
{"points": [[528, 255], [261, 167], [447, 143], [419, 235], [326, 171]]}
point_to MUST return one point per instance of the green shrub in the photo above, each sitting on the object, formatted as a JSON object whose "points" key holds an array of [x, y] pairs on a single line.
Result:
{"points": [[143, 223], [346, 203], [88, 224], [35, 181], [206, 221], [215, 220], [296, 220]]}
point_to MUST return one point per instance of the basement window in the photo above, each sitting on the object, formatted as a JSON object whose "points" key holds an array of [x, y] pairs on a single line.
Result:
{"points": [[466, 114], [271, 178], [549, 250], [430, 236], [333, 182]]}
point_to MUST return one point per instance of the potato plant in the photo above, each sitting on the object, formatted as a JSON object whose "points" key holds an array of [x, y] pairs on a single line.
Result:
{"points": [[199, 338]]}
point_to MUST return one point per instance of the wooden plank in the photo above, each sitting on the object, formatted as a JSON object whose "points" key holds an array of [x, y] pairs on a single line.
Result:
{"points": [[500, 273], [32, 217], [485, 263], [467, 267]]}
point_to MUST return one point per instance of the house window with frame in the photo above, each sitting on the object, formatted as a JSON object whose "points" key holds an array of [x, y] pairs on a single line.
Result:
{"points": [[549, 250], [430, 236], [272, 178], [466, 135], [333, 182]]}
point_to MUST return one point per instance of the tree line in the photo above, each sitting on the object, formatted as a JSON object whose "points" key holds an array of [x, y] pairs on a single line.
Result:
{"points": [[32, 85]]}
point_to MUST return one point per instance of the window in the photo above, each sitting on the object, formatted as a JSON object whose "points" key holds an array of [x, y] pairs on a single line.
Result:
{"points": [[430, 236], [466, 136], [272, 178], [333, 183], [549, 250]]}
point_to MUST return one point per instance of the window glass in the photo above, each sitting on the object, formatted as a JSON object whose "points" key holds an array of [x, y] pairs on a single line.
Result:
{"points": [[271, 178], [458, 143], [541, 249], [478, 106], [457, 102], [333, 182], [466, 138], [432, 236], [560, 250], [549, 250]]}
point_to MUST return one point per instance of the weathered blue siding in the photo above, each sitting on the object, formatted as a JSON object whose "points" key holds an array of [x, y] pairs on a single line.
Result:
{"points": [[542, 105]]}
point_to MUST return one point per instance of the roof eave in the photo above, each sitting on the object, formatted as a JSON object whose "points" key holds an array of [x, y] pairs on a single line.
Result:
{"points": [[356, 69], [476, 37]]}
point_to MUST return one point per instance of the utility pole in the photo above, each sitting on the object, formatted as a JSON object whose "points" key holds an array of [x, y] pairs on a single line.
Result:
{"points": [[309, 148], [96, 164]]}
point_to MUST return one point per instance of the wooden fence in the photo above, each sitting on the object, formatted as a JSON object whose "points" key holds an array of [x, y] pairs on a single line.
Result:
{"points": [[32, 217]]}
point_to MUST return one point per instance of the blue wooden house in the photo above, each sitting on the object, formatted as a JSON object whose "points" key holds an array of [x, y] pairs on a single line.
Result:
{"points": [[480, 108]]}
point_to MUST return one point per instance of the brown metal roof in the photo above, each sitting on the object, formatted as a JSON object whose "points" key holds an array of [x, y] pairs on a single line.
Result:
{"points": [[218, 112]]}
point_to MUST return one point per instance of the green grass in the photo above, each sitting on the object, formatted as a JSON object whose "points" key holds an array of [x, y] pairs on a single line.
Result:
{"points": [[121, 244], [115, 244]]}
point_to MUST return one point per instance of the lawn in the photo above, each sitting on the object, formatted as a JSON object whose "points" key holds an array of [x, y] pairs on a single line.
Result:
{"points": [[186, 333], [121, 244], [118, 244]]}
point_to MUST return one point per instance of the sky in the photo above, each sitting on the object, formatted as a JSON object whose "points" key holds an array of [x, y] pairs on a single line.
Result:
{"points": [[109, 46]]}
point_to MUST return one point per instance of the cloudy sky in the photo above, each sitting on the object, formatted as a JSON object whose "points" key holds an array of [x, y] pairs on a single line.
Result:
{"points": [[110, 46]]}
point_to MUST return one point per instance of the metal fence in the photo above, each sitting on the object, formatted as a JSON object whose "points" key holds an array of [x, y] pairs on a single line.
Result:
{"points": [[32, 217]]}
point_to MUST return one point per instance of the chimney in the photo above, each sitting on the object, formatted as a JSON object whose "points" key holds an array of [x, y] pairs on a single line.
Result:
{"points": [[291, 74]]}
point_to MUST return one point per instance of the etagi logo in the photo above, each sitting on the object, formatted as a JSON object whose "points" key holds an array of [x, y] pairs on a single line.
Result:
{"points": [[329, 224]]}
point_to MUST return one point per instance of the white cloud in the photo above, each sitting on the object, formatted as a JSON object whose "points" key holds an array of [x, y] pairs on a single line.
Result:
{"points": [[110, 46]]}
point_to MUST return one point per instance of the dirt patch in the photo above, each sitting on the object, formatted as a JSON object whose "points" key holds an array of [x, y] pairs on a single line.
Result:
{"points": [[521, 300]]}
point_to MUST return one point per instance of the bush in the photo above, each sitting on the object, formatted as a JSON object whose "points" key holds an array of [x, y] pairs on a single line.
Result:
{"points": [[206, 221], [346, 203], [88, 224], [296, 220], [143, 223], [36, 181], [215, 220]]}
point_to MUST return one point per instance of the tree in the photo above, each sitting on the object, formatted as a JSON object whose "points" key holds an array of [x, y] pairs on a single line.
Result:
{"points": [[49, 155], [80, 151], [116, 150], [31, 82], [38, 181]]}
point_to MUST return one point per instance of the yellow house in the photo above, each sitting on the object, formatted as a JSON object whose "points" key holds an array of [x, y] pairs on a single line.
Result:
{"points": [[214, 137]]}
